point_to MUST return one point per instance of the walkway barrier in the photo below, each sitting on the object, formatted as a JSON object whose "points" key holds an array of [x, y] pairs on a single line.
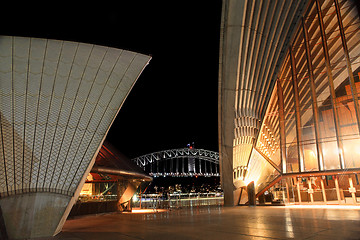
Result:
{"points": [[177, 200]]}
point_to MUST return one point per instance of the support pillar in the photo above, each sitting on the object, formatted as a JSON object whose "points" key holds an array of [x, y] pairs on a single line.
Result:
{"points": [[171, 170], [282, 127], [310, 190], [251, 193], [140, 196], [164, 167], [120, 189], [337, 189], [323, 190], [287, 191], [226, 177], [33, 215], [3, 233], [183, 165], [352, 190], [298, 189], [177, 165], [297, 112]]}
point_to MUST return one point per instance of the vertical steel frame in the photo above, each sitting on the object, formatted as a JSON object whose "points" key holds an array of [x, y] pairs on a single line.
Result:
{"points": [[348, 63], [281, 126], [297, 111], [331, 84], [313, 96]]}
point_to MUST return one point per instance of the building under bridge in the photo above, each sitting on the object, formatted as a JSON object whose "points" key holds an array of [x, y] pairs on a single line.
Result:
{"points": [[111, 183]]}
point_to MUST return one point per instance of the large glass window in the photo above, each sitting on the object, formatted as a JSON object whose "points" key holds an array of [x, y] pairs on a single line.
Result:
{"points": [[349, 125], [292, 153], [307, 124], [269, 138], [321, 118], [260, 171]]}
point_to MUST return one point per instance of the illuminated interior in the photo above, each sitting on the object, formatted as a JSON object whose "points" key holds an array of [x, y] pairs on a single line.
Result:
{"points": [[111, 183], [308, 148]]}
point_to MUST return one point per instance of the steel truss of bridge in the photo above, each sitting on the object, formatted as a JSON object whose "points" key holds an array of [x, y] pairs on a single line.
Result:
{"points": [[181, 162]]}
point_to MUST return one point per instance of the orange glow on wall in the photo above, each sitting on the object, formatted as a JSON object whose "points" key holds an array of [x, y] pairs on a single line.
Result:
{"points": [[87, 188]]}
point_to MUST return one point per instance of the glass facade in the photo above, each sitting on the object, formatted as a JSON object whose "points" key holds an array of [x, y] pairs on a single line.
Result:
{"points": [[310, 132]]}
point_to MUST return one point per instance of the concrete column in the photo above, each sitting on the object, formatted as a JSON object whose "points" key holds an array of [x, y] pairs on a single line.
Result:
{"points": [[33, 215], [119, 191], [3, 233], [251, 193], [226, 171]]}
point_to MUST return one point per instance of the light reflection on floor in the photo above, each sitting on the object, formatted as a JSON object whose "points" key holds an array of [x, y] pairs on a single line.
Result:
{"points": [[138, 210], [331, 212], [323, 206], [210, 223]]}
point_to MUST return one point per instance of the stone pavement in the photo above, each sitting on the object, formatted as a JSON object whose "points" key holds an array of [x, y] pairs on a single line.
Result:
{"points": [[224, 223]]}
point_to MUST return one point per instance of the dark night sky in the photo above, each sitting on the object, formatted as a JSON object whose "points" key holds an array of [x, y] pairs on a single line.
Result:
{"points": [[175, 99]]}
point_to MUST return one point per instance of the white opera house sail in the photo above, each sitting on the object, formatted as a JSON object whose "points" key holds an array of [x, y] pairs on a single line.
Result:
{"points": [[58, 100]]}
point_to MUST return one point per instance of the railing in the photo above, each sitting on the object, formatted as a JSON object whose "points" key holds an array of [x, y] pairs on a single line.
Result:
{"points": [[97, 198], [177, 200]]}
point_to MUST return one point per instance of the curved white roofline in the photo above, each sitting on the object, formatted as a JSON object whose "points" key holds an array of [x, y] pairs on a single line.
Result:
{"points": [[58, 100]]}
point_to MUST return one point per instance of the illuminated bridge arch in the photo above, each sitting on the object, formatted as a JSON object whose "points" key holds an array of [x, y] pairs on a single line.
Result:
{"points": [[180, 162]]}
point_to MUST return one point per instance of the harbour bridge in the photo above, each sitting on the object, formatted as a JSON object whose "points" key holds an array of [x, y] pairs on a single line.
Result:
{"points": [[181, 162]]}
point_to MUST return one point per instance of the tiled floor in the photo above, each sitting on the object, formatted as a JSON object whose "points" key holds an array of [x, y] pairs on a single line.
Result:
{"points": [[224, 223]]}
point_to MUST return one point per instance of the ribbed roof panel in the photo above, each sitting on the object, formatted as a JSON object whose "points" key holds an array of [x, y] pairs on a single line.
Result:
{"points": [[255, 36], [57, 102]]}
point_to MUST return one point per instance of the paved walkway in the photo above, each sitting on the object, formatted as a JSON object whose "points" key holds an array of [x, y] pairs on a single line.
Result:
{"points": [[221, 223]]}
